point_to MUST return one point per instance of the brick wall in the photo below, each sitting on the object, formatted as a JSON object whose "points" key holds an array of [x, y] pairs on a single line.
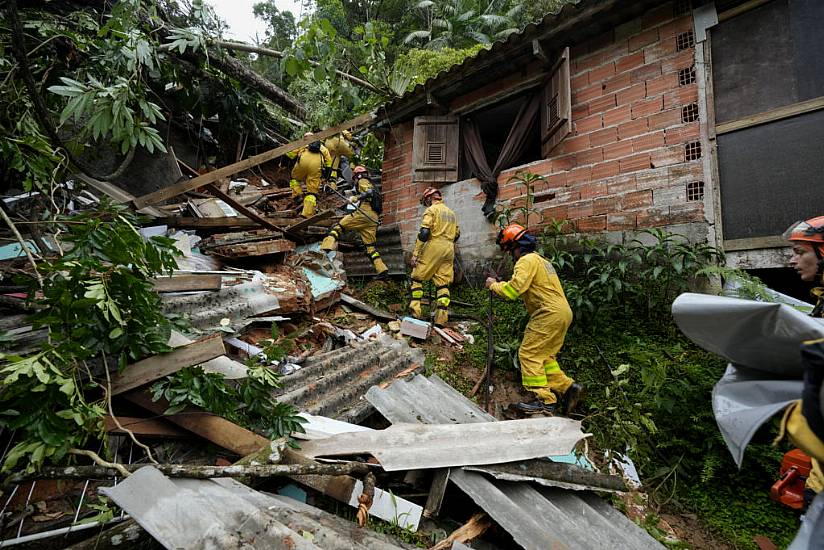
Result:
{"points": [[625, 165]]}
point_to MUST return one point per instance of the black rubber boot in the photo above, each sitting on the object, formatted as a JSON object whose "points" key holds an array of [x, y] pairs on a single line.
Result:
{"points": [[571, 397], [535, 407]]}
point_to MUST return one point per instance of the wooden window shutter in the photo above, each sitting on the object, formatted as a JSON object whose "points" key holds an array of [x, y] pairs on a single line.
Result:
{"points": [[435, 149], [556, 109]]}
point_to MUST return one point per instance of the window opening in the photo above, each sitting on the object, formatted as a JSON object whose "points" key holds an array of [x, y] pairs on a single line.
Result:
{"points": [[692, 150], [686, 76], [689, 113], [684, 41], [695, 191]]}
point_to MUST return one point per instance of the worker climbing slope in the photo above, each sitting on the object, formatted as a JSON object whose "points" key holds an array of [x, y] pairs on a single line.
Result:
{"points": [[309, 170], [434, 254], [364, 219], [535, 280]]}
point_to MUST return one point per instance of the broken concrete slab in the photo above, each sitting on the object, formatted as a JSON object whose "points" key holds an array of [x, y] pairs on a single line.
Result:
{"points": [[415, 328], [418, 446]]}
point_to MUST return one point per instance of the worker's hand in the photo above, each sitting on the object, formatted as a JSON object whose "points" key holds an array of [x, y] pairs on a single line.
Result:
{"points": [[414, 261], [353, 199], [489, 281]]}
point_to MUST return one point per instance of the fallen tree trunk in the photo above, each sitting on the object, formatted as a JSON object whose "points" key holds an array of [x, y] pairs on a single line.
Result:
{"points": [[196, 472]]}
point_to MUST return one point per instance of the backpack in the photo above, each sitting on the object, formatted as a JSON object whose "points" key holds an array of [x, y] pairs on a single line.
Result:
{"points": [[314, 147], [376, 200]]}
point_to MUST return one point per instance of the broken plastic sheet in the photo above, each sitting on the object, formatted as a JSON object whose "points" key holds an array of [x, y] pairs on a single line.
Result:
{"points": [[761, 341]]}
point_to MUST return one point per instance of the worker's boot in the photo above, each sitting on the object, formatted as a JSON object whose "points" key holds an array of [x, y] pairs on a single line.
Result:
{"points": [[537, 407], [571, 397], [309, 203], [441, 315]]}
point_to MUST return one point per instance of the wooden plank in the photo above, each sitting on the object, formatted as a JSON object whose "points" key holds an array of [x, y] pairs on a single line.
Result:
{"points": [[773, 241], [205, 223], [310, 221], [148, 427], [436, 492], [248, 212], [157, 366], [213, 428], [771, 116], [182, 283], [375, 312], [211, 177], [116, 193]]}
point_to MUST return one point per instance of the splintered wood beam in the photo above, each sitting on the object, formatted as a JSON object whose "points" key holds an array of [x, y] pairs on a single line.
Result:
{"points": [[248, 212], [310, 221], [211, 177], [158, 366], [185, 283]]}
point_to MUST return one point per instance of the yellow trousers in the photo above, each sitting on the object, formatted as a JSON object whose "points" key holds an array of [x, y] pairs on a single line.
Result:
{"points": [[366, 229], [436, 264], [540, 372]]}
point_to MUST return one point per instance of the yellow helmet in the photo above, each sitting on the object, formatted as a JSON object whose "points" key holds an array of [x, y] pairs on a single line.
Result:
{"points": [[347, 135]]}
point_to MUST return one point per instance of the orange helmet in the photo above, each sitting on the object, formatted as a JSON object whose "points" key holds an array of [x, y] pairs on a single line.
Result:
{"points": [[808, 231], [429, 194], [510, 235], [359, 169]]}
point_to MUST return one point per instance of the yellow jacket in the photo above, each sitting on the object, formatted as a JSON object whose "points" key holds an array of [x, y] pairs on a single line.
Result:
{"points": [[338, 147], [536, 281], [442, 224], [309, 169], [364, 186], [327, 156]]}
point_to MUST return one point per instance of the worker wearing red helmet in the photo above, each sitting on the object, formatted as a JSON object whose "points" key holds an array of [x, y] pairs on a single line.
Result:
{"points": [[534, 279], [434, 254], [804, 419], [364, 220]]}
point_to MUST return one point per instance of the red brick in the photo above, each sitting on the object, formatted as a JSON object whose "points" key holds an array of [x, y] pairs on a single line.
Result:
{"points": [[579, 175], [593, 223], [602, 104], [590, 61], [601, 73], [603, 205], [591, 190], [629, 62], [590, 156], [642, 74], [631, 94], [652, 179], [580, 111], [620, 114], [644, 39], [634, 163], [617, 83], [659, 50], [635, 199], [567, 195], [605, 170], [580, 81], [578, 50], [662, 84], [666, 119], [617, 150], [541, 168], [668, 156], [682, 134], [647, 107], [621, 184], [601, 41], [574, 144], [692, 211], [588, 124], [578, 210], [564, 163], [676, 27], [555, 212], [408, 203], [684, 95], [633, 128], [620, 221], [654, 216], [648, 142], [556, 181], [602, 137], [681, 60], [657, 16], [585, 94]]}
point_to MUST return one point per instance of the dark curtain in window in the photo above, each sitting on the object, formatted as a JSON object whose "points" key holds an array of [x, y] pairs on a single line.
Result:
{"points": [[514, 147]]}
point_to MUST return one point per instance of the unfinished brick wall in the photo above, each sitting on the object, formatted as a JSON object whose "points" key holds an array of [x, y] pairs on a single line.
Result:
{"points": [[633, 159]]}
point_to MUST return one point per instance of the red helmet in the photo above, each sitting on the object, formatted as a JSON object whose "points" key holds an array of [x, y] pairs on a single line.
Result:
{"points": [[807, 231], [429, 194], [359, 169], [509, 235]]}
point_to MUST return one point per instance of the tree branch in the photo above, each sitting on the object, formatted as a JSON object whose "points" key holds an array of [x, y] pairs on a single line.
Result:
{"points": [[23, 244]]}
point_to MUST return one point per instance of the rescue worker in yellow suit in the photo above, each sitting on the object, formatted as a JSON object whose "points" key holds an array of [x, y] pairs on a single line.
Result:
{"points": [[364, 220], [804, 420], [312, 163], [434, 254], [535, 280], [339, 146]]}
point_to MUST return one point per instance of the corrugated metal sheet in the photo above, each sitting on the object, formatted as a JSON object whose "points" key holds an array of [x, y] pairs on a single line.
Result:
{"points": [[536, 518], [333, 384], [358, 264], [572, 25]]}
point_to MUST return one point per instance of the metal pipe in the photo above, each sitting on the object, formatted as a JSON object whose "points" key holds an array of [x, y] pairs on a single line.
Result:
{"points": [[56, 532]]}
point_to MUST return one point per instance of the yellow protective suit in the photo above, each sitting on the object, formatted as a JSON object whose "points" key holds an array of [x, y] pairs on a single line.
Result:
{"points": [[536, 281], [435, 258], [338, 147], [360, 222], [309, 170]]}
